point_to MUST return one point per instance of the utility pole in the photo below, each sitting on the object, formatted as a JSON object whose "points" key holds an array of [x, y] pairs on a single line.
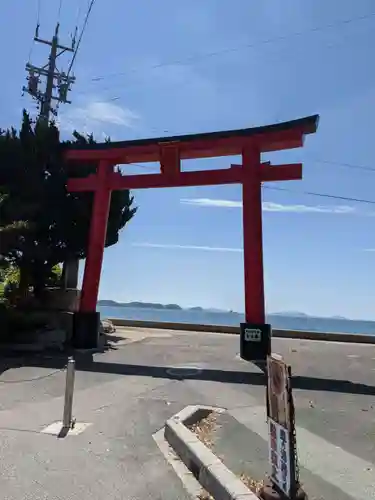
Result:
{"points": [[54, 79], [57, 84]]}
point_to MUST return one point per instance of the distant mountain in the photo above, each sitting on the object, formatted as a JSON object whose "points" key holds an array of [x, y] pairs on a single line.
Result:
{"points": [[294, 314], [215, 310], [153, 305], [108, 303], [297, 314], [176, 307], [138, 305]]}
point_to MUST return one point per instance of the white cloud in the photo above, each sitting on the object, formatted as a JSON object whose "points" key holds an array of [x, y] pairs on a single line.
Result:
{"points": [[188, 247], [96, 117], [209, 202], [269, 206]]}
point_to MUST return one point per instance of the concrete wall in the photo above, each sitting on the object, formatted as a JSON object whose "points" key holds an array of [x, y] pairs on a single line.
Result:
{"points": [[290, 334]]}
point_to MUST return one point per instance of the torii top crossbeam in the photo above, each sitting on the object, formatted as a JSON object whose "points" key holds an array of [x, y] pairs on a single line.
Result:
{"points": [[169, 151], [285, 135]]}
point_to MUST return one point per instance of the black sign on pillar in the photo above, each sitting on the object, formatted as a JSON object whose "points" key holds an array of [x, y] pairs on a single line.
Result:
{"points": [[255, 341]]}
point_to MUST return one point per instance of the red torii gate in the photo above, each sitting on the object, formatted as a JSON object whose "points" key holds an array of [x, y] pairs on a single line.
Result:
{"points": [[169, 151]]}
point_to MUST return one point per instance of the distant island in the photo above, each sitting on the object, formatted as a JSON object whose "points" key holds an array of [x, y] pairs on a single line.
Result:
{"points": [[153, 305], [294, 314], [141, 305], [176, 307], [297, 314]]}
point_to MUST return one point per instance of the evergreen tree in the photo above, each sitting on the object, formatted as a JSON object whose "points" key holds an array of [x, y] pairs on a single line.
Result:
{"points": [[41, 224]]}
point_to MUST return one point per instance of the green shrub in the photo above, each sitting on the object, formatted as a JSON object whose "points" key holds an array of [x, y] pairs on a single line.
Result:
{"points": [[13, 320]]}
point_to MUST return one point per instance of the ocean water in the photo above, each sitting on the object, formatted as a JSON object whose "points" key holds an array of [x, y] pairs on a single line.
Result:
{"points": [[307, 323]]}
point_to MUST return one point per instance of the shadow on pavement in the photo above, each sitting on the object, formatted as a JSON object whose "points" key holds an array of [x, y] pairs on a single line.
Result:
{"points": [[85, 362], [9, 363]]}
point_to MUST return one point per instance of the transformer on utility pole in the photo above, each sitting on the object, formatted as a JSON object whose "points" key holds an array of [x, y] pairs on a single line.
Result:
{"points": [[57, 84]]}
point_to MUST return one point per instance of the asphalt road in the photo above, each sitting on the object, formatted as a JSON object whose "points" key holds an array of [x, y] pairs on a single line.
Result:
{"points": [[128, 392]]}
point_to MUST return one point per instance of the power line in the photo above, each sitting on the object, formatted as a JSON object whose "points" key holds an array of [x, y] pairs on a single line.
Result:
{"points": [[135, 70], [136, 84], [242, 47], [78, 17], [321, 195], [328, 162], [308, 193], [91, 5], [59, 9], [271, 40], [347, 165], [38, 11], [39, 8], [70, 269]]}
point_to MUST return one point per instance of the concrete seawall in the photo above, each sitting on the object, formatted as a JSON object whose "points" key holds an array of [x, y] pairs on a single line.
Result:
{"points": [[235, 330]]}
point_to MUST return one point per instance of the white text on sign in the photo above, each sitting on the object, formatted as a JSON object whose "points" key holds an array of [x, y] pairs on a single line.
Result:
{"points": [[253, 335], [279, 450]]}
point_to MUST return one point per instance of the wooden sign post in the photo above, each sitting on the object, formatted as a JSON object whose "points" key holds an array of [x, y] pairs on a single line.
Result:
{"points": [[284, 479]]}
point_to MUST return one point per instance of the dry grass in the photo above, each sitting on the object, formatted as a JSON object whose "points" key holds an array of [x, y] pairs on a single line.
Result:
{"points": [[204, 428], [204, 495], [252, 484]]}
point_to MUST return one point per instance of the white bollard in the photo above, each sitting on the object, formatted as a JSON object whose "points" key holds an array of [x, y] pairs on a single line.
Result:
{"points": [[69, 389]]}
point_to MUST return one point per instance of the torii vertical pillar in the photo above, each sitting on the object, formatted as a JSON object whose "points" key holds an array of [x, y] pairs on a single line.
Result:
{"points": [[86, 321], [255, 340]]}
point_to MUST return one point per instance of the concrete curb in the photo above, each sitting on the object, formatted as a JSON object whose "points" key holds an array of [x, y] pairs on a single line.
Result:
{"points": [[353, 338], [208, 469]]}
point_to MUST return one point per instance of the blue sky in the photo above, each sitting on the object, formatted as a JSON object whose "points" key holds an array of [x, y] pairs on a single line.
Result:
{"points": [[144, 70]]}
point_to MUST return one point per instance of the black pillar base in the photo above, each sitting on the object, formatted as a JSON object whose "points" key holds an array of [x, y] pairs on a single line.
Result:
{"points": [[255, 341], [86, 330]]}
